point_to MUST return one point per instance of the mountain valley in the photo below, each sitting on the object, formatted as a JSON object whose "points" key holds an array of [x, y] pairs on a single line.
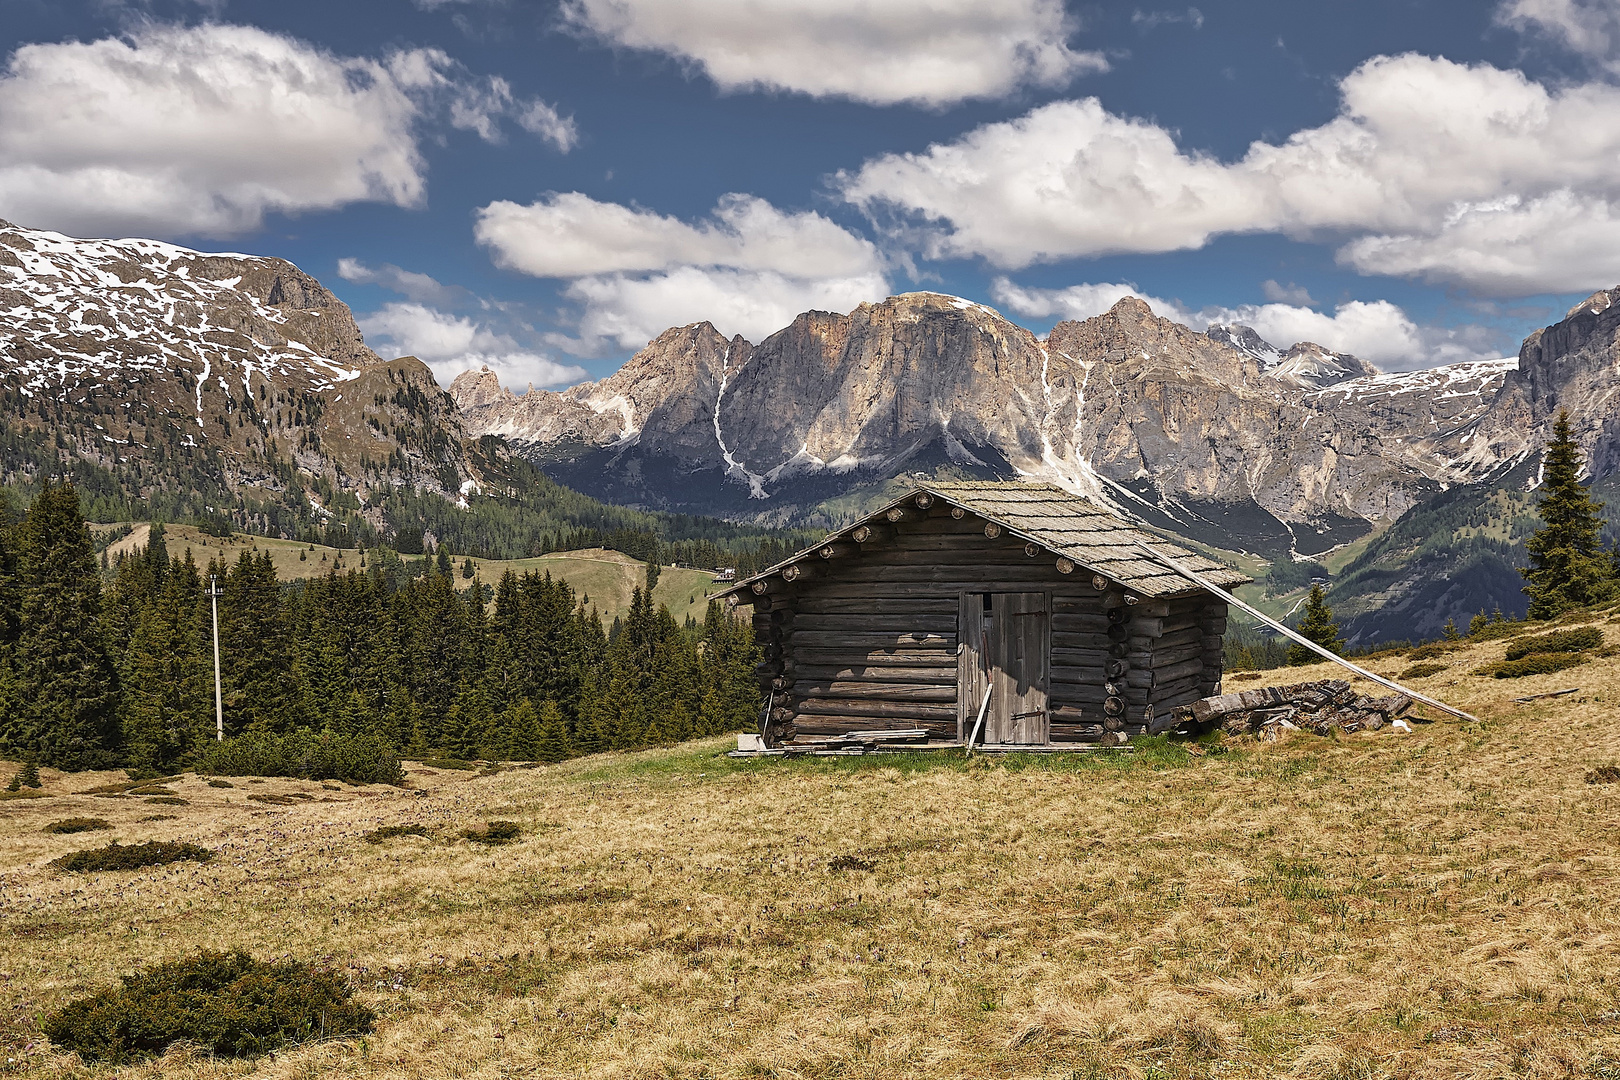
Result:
{"points": [[187, 386]]}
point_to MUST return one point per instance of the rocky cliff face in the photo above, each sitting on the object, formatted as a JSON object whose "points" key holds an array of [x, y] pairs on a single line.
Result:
{"points": [[181, 372], [1215, 435]]}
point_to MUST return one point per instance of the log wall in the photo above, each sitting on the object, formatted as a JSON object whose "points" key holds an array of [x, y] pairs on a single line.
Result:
{"points": [[866, 638]]}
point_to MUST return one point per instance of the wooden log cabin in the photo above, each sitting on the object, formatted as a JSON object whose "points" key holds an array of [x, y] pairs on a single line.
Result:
{"points": [[902, 620]]}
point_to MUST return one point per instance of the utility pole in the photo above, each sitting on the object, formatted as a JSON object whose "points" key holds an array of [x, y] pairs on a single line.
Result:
{"points": [[214, 592]]}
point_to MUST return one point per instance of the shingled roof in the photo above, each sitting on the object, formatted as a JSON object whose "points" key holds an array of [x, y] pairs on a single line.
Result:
{"points": [[1062, 523]]}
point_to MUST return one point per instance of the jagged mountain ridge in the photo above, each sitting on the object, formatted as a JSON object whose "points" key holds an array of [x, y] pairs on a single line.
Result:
{"points": [[1184, 429], [180, 373]]}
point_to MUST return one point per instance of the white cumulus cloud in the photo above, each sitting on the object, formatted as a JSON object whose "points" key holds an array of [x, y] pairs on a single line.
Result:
{"points": [[573, 235], [451, 344], [1588, 28], [926, 52], [205, 129], [748, 267], [630, 311], [1376, 330], [1427, 168]]}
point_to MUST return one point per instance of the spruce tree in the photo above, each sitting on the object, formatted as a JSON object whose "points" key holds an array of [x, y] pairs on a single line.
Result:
{"points": [[551, 743], [1568, 566], [170, 700], [1317, 626], [67, 687], [256, 653]]}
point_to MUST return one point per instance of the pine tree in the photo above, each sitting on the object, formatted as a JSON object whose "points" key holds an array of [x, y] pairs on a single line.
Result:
{"points": [[167, 679], [551, 744], [256, 651], [1568, 566], [66, 683], [1317, 626], [28, 775], [1450, 631]]}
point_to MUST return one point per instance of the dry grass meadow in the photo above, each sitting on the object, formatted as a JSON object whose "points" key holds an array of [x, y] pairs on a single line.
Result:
{"points": [[1439, 904]]}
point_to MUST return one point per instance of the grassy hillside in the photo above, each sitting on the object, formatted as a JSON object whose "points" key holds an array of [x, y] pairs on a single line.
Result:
{"points": [[1429, 905], [606, 577]]}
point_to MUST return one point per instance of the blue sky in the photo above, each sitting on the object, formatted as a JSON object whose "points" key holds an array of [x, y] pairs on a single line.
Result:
{"points": [[544, 186]]}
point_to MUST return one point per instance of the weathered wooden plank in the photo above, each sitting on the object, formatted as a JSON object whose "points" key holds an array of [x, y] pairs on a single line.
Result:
{"points": [[816, 605], [874, 691], [1163, 658], [897, 623], [1168, 697], [908, 710], [845, 656], [1080, 624], [939, 675], [1188, 636], [833, 639], [1187, 669], [832, 724]]}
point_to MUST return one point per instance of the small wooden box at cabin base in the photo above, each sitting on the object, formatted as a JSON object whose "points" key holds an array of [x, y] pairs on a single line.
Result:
{"points": [[1008, 614]]}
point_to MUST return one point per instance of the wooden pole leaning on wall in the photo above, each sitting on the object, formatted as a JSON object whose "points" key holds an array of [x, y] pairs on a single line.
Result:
{"points": [[1203, 583]]}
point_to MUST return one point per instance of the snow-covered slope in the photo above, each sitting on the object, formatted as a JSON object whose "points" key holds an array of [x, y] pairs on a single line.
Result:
{"points": [[202, 371]]}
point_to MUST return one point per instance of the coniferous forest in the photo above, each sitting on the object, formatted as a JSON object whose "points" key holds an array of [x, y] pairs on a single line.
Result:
{"points": [[114, 667]]}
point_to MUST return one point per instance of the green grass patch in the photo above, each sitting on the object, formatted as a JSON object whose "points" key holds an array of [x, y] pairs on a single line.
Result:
{"points": [[388, 832], [228, 1003], [1422, 671], [167, 800], [116, 856]]}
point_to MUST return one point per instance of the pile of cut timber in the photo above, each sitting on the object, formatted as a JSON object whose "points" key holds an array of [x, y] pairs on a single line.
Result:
{"points": [[1321, 707]]}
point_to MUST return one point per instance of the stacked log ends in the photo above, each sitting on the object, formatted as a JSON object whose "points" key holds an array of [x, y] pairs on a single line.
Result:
{"points": [[1319, 707]]}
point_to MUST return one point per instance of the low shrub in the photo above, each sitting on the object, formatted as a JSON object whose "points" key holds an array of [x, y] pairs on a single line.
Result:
{"points": [[1563, 641], [149, 789], [494, 832], [116, 856], [24, 793], [1534, 664], [388, 832], [1482, 629], [167, 800], [220, 783], [450, 763], [229, 1003], [1604, 774], [305, 755], [1422, 671], [157, 817], [76, 824], [109, 789], [274, 800], [1433, 650]]}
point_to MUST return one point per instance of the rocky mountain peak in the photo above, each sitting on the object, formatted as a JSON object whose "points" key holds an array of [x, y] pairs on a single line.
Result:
{"points": [[212, 368], [1308, 364], [1245, 340], [477, 389]]}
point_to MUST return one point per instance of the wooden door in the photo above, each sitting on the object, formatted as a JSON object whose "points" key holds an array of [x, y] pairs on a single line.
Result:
{"points": [[1020, 658], [1013, 632], [972, 626]]}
